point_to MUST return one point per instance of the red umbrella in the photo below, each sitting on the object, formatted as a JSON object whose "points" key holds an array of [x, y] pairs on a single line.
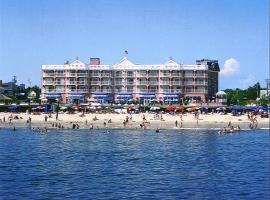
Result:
{"points": [[169, 107]]}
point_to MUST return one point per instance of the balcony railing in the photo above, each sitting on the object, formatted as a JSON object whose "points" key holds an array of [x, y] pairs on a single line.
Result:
{"points": [[153, 74], [130, 83], [200, 83], [82, 74], [143, 83], [48, 82], [54, 90], [165, 83], [165, 74], [200, 91], [176, 82], [176, 74], [142, 75], [153, 82], [130, 75], [189, 75], [59, 74], [95, 82], [71, 74], [188, 82], [77, 90], [106, 83], [60, 83], [71, 82], [82, 82], [48, 75], [189, 90], [119, 83], [106, 75], [95, 74]]}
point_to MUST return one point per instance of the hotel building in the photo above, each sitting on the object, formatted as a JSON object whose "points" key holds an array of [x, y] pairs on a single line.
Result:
{"points": [[126, 81]]}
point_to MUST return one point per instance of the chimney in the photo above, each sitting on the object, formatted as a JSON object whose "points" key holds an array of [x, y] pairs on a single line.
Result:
{"points": [[94, 61]]}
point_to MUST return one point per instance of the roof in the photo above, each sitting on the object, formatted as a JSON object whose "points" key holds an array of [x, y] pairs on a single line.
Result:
{"points": [[3, 97], [221, 93]]}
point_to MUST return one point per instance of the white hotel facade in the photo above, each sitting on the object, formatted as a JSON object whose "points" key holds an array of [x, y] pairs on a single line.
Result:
{"points": [[126, 81]]}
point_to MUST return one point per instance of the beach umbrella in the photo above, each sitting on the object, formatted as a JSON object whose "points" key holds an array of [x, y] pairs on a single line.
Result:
{"points": [[169, 107], [179, 108], [220, 109], [118, 107], [63, 108], [191, 109], [236, 108], [13, 107], [154, 108]]}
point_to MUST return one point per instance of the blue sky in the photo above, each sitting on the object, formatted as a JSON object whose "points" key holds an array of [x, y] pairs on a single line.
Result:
{"points": [[234, 32]]}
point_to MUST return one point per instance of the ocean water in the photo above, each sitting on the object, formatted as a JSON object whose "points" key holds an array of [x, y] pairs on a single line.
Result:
{"points": [[134, 164]]}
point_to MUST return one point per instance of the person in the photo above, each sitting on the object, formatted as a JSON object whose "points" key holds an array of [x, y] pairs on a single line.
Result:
{"points": [[104, 124], [14, 129], [73, 126], [238, 128], [157, 130], [109, 121], [46, 118], [4, 119], [91, 126], [229, 124], [176, 123], [124, 123], [232, 129]]}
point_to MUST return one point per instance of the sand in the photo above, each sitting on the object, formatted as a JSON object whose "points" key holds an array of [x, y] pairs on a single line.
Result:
{"points": [[215, 120]]}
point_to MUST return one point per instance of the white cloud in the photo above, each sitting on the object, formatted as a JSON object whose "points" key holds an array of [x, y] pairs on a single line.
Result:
{"points": [[230, 67]]}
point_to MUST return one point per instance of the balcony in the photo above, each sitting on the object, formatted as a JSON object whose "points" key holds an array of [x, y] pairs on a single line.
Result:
{"points": [[200, 91], [77, 90], [82, 82], [106, 75], [59, 74], [165, 74], [189, 90], [153, 82], [153, 74], [54, 90], [130, 83], [200, 83], [82, 75], [130, 75], [143, 83], [95, 82], [165, 83], [95, 74], [71, 75], [106, 83], [188, 83], [59, 83], [71, 82], [176, 82], [119, 83], [48, 83], [142, 75], [48, 75], [176, 74], [189, 75]]}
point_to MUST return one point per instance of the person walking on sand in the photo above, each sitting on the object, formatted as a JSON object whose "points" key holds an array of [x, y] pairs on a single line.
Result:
{"points": [[46, 118], [176, 123]]}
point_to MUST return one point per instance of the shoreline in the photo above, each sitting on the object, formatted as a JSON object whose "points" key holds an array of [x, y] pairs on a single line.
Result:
{"points": [[187, 121]]}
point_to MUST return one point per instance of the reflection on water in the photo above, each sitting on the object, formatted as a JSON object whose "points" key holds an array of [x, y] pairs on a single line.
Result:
{"points": [[134, 164]]}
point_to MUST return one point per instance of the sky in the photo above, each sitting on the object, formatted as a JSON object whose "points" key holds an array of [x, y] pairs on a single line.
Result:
{"points": [[234, 32]]}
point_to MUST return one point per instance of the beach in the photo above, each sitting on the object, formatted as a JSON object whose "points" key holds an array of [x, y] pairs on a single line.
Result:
{"points": [[113, 120]]}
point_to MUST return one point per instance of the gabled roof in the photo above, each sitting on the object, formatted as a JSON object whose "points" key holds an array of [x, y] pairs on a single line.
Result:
{"points": [[124, 62], [77, 62], [171, 62]]}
